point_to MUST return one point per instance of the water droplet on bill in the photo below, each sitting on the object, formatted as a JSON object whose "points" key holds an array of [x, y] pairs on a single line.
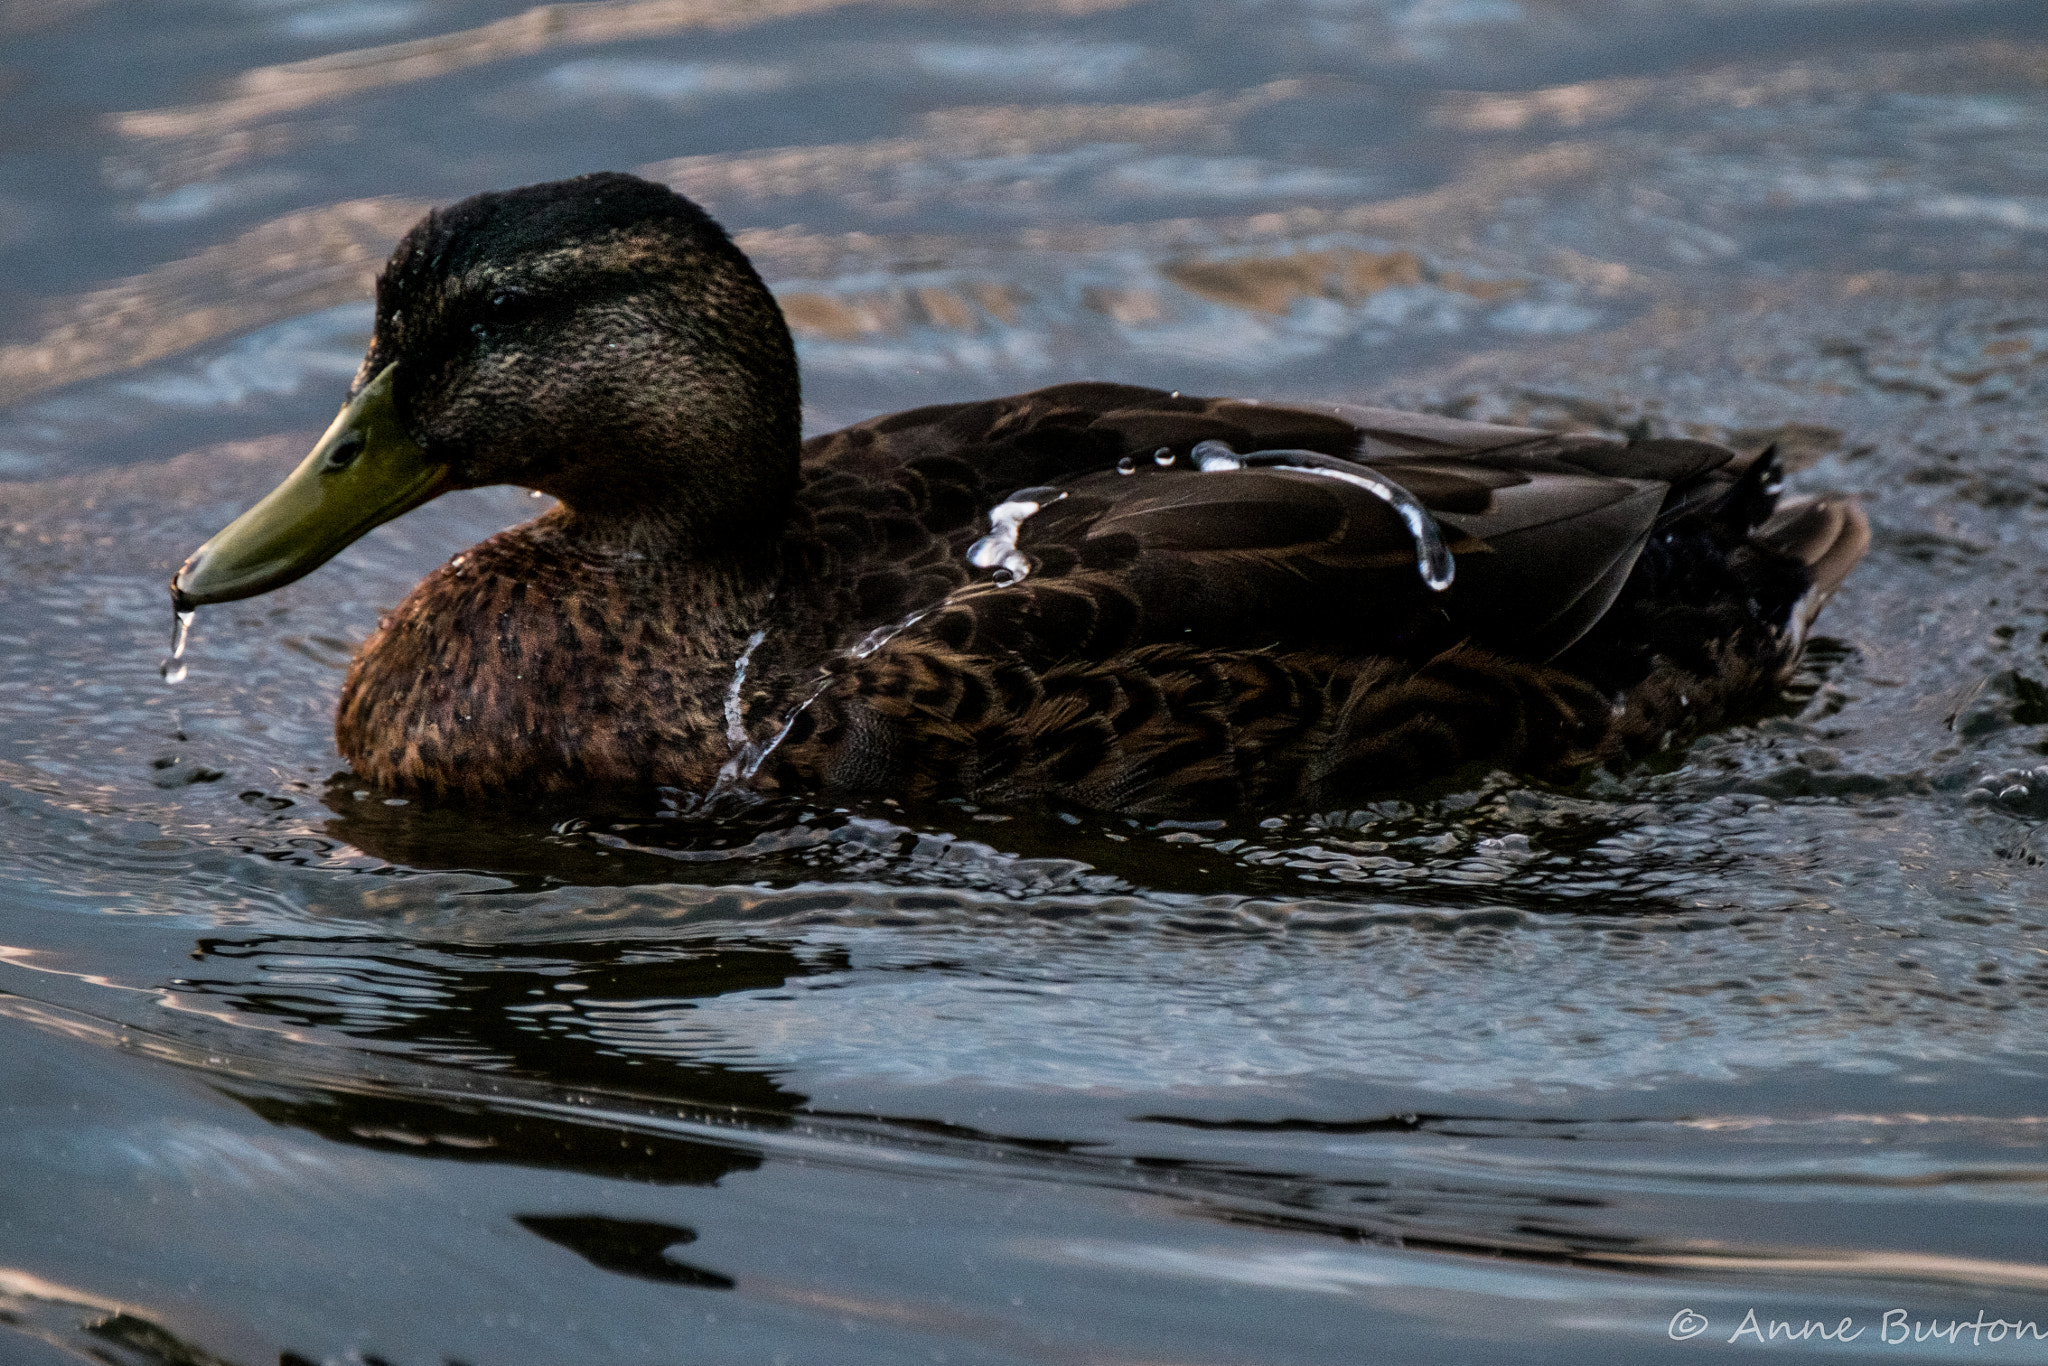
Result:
{"points": [[173, 667]]}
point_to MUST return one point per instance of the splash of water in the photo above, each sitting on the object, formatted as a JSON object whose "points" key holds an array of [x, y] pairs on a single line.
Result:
{"points": [[735, 725], [747, 755], [173, 667]]}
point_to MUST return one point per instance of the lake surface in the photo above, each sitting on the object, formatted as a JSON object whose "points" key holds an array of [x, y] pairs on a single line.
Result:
{"points": [[291, 1071]]}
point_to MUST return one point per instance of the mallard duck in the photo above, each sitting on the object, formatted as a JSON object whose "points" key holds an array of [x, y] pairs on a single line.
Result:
{"points": [[1096, 593]]}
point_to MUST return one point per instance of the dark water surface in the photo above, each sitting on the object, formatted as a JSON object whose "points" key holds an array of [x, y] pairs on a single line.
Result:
{"points": [[291, 1072]]}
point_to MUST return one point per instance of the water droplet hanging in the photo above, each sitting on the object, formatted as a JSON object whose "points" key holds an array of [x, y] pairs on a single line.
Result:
{"points": [[173, 667]]}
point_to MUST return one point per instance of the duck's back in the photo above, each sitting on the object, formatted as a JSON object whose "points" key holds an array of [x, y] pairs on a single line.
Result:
{"points": [[1141, 600]]}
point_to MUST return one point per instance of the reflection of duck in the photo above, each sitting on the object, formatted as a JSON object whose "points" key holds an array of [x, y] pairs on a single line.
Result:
{"points": [[1150, 627]]}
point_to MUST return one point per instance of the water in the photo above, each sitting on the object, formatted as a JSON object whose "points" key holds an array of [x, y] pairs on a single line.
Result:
{"points": [[174, 667], [292, 1072], [997, 551]]}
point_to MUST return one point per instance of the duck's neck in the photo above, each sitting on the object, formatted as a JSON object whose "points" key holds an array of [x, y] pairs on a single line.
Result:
{"points": [[660, 563], [679, 493], [739, 547]]}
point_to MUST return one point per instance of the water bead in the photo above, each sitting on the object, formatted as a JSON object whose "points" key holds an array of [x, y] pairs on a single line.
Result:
{"points": [[998, 550], [173, 668], [1433, 558]]}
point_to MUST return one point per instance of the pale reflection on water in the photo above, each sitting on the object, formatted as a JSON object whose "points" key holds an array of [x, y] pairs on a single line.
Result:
{"points": [[1498, 1074]]}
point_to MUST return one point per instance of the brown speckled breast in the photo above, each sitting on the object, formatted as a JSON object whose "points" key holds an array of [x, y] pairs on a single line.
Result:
{"points": [[525, 665]]}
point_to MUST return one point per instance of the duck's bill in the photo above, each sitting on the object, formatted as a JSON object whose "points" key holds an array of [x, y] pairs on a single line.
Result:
{"points": [[364, 472]]}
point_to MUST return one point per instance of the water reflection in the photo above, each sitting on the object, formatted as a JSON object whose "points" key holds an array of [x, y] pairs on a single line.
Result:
{"points": [[74, 1325], [266, 92], [477, 1133], [597, 1012], [630, 1247]]}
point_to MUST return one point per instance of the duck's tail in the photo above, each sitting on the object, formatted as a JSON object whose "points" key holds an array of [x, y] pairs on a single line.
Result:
{"points": [[1828, 535], [1717, 611]]}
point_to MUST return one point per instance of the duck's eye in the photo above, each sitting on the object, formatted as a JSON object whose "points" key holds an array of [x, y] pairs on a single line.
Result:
{"points": [[501, 310]]}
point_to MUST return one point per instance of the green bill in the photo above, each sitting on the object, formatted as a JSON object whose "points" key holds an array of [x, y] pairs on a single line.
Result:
{"points": [[364, 472]]}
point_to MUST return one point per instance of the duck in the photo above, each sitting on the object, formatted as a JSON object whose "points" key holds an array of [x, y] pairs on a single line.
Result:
{"points": [[1094, 593]]}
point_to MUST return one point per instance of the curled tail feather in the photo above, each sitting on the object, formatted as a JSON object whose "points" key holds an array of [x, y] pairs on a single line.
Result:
{"points": [[1828, 535]]}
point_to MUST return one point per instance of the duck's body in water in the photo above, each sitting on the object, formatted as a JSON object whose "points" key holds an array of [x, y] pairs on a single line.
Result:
{"points": [[1051, 595]]}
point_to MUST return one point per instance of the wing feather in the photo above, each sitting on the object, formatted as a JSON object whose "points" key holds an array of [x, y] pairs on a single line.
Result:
{"points": [[1545, 526]]}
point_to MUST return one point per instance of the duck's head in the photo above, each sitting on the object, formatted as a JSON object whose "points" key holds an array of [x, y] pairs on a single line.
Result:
{"points": [[599, 339]]}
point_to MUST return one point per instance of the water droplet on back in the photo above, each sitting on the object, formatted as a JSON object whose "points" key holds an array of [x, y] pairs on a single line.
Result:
{"points": [[1433, 559], [1163, 456], [1127, 466]]}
